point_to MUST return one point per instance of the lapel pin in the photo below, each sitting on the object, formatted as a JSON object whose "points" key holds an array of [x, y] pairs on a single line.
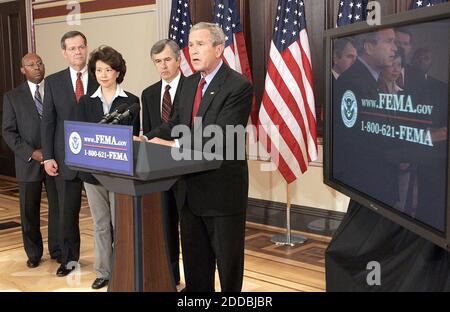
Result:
{"points": [[212, 93]]}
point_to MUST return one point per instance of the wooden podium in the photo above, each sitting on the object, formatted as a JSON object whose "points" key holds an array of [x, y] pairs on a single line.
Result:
{"points": [[141, 259]]}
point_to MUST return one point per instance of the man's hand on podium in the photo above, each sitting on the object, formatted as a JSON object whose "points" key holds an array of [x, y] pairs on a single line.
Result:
{"points": [[163, 142], [155, 141], [140, 138]]}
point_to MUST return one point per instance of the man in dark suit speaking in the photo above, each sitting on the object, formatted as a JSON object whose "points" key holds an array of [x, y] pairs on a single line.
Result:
{"points": [[365, 159], [22, 113], [157, 105], [212, 216], [62, 92]]}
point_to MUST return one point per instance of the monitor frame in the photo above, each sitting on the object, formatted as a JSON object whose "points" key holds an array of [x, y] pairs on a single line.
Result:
{"points": [[437, 12]]}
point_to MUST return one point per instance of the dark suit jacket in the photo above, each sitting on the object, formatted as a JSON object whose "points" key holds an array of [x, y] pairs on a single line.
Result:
{"points": [[91, 110], [21, 131], [227, 101], [362, 159], [360, 80], [59, 102], [151, 106]]}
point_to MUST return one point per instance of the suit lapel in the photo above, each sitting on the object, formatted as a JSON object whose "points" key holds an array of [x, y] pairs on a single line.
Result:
{"points": [[98, 107], [180, 84], [156, 109], [92, 85], [369, 80], [28, 100], [188, 101], [213, 88], [67, 83]]}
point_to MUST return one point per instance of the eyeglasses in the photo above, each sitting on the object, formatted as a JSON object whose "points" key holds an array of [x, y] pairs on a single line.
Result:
{"points": [[73, 49], [32, 65]]}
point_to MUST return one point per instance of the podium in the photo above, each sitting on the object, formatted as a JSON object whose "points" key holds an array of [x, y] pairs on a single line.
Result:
{"points": [[141, 258]]}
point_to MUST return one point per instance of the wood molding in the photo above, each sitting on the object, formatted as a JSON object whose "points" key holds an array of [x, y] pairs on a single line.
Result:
{"points": [[86, 7], [305, 219]]}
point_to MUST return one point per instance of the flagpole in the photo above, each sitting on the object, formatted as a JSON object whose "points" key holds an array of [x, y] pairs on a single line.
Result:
{"points": [[288, 239]]}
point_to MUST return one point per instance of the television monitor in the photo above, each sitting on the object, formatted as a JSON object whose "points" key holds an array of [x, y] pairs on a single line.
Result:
{"points": [[386, 127]]}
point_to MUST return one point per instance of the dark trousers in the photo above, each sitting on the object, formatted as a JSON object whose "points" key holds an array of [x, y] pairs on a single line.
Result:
{"points": [[30, 208], [69, 200], [170, 217], [207, 241]]}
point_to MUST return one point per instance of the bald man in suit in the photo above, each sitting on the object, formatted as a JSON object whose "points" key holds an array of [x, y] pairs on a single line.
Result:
{"points": [[22, 113]]}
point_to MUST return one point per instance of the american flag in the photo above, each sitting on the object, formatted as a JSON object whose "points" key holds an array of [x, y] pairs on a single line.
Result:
{"points": [[417, 4], [235, 55], [351, 11], [287, 113], [180, 24]]}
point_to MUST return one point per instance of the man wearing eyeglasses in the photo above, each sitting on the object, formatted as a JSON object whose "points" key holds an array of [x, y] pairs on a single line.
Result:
{"points": [[22, 113], [62, 93]]}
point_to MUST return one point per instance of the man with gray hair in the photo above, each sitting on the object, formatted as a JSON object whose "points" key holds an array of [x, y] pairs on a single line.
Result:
{"points": [[156, 108], [214, 203], [62, 93]]}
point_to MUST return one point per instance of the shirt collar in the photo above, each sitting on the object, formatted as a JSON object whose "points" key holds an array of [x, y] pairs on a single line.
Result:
{"points": [[73, 72], [173, 83], [211, 76], [335, 74], [119, 92], [374, 73], [32, 86], [397, 88]]}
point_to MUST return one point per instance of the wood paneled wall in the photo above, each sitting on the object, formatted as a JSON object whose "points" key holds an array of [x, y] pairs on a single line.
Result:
{"points": [[13, 45]]}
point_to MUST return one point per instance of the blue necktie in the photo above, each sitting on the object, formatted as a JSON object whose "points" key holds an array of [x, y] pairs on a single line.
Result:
{"points": [[38, 101]]}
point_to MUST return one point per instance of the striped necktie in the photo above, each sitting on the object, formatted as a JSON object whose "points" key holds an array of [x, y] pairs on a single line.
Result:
{"points": [[38, 101], [166, 105]]}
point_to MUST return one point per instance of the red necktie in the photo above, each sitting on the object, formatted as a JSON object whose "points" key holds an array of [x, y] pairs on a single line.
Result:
{"points": [[79, 90], [166, 105], [198, 98]]}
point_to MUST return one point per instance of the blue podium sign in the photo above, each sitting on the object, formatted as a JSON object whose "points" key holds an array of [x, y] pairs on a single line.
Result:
{"points": [[107, 148]]}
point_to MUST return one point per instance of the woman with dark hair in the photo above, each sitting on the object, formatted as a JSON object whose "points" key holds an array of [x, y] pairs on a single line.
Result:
{"points": [[391, 75], [109, 68]]}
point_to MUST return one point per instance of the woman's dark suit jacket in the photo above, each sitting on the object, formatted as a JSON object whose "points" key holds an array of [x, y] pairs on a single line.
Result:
{"points": [[91, 110]]}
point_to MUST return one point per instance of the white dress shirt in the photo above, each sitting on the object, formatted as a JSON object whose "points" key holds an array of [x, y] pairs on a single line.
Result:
{"points": [[32, 87], [106, 105], [84, 78], [172, 91]]}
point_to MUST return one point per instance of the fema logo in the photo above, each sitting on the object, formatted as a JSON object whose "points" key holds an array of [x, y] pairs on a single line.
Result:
{"points": [[75, 143], [349, 109]]}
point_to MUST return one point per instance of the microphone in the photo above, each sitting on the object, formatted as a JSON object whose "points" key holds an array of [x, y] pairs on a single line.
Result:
{"points": [[110, 117], [131, 111]]}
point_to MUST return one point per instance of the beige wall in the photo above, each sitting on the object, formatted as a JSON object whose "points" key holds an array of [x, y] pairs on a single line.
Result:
{"points": [[131, 31], [309, 190]]}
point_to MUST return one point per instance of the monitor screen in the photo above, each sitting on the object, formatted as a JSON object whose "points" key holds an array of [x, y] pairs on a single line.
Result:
{"points": [[388, 119]]}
